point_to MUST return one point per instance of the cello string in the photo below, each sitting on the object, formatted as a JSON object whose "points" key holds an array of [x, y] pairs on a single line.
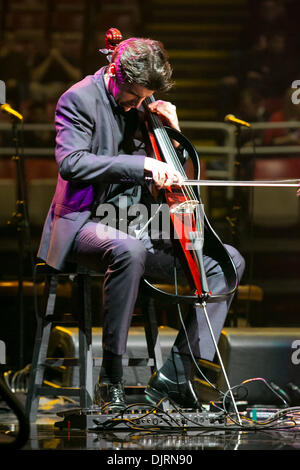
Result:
{"points": [[195, 217], [168, 149], [164, 139], [171, 157], [174, 161]]}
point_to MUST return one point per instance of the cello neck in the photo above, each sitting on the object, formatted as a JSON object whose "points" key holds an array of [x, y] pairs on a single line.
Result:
{"points": [[167, 150]]}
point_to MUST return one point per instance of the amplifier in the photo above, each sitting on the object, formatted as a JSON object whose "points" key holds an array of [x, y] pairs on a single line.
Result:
{"points": [[271, 355]]}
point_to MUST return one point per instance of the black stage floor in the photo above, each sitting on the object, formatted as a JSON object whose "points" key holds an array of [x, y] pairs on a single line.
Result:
{"points": [[151, 442]]}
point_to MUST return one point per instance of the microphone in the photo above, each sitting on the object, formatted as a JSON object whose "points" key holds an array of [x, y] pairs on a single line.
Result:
{"points": [[10, 111], [233, 120]]}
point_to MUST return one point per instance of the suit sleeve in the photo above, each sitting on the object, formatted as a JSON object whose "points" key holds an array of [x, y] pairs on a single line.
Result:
{"points": [[74, 129]]}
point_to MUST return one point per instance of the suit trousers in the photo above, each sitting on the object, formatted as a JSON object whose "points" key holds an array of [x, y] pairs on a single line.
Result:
{"points": [[123, 260]]}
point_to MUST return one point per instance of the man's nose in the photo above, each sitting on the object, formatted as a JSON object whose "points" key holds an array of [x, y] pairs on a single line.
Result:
{"points": [[138, 102]]}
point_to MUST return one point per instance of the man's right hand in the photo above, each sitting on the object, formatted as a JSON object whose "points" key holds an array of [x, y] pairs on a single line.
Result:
{"points": [[163, 175]]}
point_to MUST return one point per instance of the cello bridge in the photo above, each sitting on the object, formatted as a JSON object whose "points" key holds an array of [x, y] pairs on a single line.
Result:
{"points": [[186, 207]]}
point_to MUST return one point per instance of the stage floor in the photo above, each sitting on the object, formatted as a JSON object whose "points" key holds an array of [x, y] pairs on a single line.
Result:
{"points": [[152, 443]]}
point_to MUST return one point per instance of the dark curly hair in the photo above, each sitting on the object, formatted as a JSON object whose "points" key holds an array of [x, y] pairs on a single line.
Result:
{"points": [[144, 62]]}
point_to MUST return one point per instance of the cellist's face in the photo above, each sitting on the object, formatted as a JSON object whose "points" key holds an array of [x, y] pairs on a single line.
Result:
{"points": [[127, 95]]}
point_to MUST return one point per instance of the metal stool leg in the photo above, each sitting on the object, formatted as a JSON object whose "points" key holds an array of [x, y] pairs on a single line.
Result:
{"points": [[85, 341], [44, 325]]}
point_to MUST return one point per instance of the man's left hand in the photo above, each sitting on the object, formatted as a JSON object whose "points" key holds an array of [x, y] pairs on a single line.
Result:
{"points": [[167, 113]]}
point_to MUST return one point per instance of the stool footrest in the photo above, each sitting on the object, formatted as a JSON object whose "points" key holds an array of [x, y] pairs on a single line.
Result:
{"points": [[129, 361], [97, 361], [59, 362]]}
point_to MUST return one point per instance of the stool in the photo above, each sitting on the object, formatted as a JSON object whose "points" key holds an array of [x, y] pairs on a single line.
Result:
{"points": [[37, 387]]}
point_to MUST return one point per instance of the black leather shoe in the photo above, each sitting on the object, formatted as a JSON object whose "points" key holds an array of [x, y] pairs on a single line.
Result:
{"points": [[182, 394], [112, 396]]}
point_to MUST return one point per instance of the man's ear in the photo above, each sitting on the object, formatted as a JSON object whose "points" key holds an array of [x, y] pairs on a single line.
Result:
{"points": [[112, 70]]}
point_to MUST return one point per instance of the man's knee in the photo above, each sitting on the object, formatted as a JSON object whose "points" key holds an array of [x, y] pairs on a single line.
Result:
{"points": [[237, 259], [131, 251]]}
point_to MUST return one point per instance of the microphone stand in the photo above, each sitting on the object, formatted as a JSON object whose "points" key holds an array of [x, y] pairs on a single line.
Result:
{"points": [[233, 219], [20, 220]]}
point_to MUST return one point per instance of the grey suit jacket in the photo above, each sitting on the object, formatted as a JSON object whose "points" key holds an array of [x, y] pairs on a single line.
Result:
{"points": [[87, 158]]}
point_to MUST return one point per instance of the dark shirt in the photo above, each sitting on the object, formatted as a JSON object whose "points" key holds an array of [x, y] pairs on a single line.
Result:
{"points": [[128, 125], [129, 141]]}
